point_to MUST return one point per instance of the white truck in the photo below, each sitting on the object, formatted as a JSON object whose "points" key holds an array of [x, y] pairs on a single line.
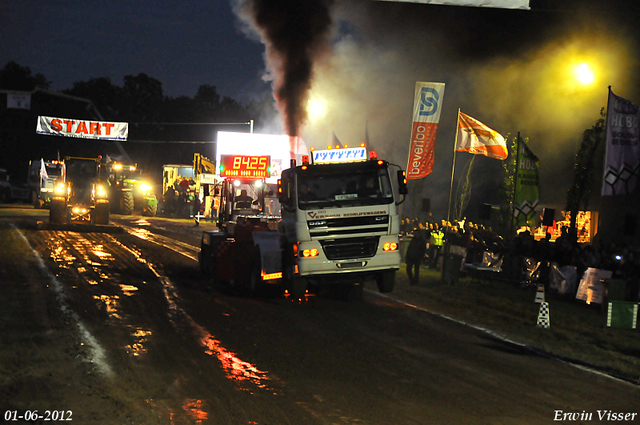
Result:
{"points": [[42, 179], [339, 221], [338, 226]]}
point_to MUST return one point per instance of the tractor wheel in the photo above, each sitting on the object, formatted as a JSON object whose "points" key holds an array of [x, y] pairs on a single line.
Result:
{"points": [[150, 210], [126, 203], [58, 212], [256, 284], [37, 202], [101, 213]]}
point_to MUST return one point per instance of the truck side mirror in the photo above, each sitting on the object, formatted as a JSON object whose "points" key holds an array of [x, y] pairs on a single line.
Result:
{"points": [[402, 182]]}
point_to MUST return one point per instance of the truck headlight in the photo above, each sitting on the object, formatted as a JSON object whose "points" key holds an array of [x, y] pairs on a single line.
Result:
{"points": [[313, 252], [145, 188], [390, 246]]}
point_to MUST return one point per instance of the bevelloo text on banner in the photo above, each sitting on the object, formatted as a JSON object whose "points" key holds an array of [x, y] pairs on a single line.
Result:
{"points": [[427, 106], [84, 129]]}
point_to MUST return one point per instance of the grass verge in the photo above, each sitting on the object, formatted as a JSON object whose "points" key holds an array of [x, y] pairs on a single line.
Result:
{"points": [[578, 332]]}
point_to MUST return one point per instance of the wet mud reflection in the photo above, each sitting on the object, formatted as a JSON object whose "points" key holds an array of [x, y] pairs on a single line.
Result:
{"points": [[235, 368]]}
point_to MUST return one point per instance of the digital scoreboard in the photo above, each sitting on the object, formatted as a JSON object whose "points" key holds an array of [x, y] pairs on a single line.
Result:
{"points": [[250, 166]]}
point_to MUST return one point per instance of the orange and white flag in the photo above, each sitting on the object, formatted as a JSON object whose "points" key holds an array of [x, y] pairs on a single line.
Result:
{"points": [[476, 138]]}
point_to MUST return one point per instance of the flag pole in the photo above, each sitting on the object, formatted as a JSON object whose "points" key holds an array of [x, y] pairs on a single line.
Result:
{"points": [[453, 166], [515, 186]]}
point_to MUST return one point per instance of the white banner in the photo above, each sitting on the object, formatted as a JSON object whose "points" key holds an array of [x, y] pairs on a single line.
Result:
{"points": [[19, 100], [591, 288], [85, 129], [502, 4], [206, 178]]}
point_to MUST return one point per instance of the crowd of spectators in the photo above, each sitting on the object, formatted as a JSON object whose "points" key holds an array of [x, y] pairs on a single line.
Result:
{"points": [[622, 259]]}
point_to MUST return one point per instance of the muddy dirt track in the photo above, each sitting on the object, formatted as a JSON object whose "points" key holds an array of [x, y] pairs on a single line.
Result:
{"points": [[122, 329]]}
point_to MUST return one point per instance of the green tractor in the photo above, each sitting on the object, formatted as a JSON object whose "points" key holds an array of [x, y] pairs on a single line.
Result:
{"points": [[130, 192], [82, 197]]}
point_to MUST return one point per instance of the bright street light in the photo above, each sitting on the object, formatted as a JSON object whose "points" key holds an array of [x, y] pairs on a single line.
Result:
{"points": [[584, 74], [316, 108]]}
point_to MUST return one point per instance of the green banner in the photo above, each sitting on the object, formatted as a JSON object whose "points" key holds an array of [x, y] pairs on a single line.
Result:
{"points": [[622, 314], [527, 187]]}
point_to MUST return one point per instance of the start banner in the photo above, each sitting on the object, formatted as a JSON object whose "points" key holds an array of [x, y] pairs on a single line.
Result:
{"points": [[85, 129], [427, 106]]}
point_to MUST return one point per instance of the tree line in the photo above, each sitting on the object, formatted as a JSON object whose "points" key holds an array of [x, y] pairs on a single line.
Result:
{"points": [[140, 101]]}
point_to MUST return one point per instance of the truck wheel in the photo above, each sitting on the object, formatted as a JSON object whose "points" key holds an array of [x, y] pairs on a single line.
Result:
{"points": [[386, 281], [127, 203], [101, 213], [58, 212]]}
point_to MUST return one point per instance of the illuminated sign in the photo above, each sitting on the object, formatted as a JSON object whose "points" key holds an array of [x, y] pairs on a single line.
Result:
{"points": [[277, 146], [340, 155], [251, 166]]}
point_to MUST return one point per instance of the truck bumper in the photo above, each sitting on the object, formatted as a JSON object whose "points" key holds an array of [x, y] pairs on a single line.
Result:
{"points": [[330, 271]]}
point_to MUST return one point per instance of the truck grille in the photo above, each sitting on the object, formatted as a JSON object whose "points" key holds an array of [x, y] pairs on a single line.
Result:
{"points": [[348, 248], [348, 226]]}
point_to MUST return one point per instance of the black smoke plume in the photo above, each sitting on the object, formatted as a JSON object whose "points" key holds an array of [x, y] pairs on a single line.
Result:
{"points": [[295, 33]]}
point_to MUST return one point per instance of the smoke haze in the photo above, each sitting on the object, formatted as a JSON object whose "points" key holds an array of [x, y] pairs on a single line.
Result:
{"points": [[509, 69], [295, 36]]}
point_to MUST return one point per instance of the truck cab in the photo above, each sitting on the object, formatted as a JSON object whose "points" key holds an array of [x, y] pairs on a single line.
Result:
{"points": [[43, 176], [339, 221]]}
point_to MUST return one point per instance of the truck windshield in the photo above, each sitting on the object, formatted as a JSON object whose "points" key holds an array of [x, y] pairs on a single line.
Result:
{"points": [[337, 188], [54, 170]]}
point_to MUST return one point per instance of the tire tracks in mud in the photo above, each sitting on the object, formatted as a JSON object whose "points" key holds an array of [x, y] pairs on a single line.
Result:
{"points": [[155, 348]]}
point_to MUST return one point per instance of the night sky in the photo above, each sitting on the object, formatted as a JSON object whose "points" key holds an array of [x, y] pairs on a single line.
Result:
{"points": [[509, 69]]}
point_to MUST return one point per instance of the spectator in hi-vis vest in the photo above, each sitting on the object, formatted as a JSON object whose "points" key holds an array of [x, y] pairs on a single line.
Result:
{"points": [[435, 241]]}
